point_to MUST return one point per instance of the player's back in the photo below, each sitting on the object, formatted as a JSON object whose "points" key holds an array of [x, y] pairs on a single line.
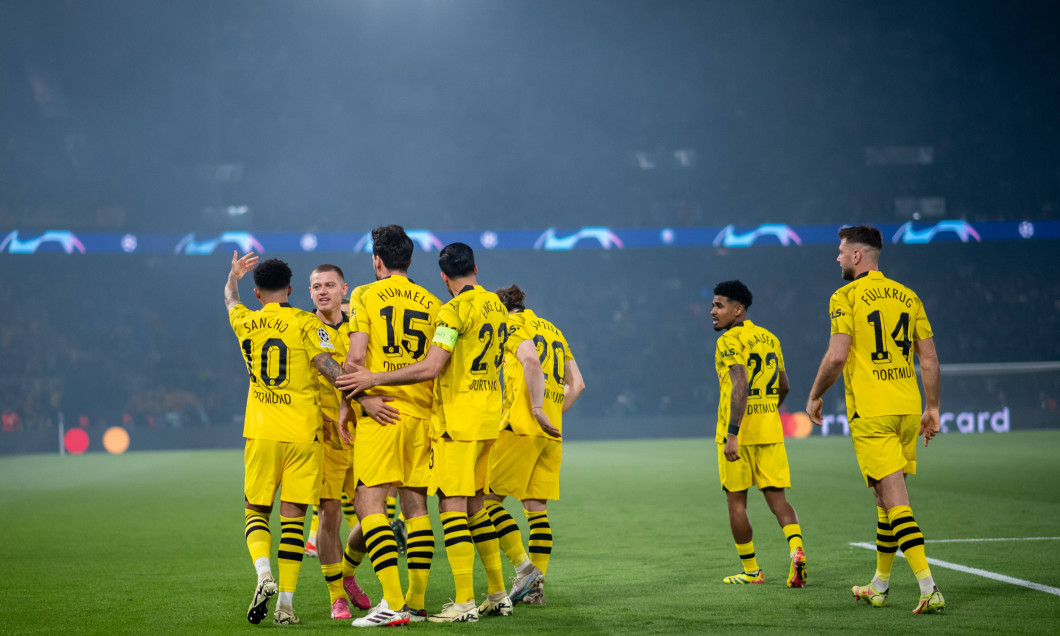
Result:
{"points": [[553, 352], [884, 318], [759, 351], [398, 316], [473, 328], [278, 343]]}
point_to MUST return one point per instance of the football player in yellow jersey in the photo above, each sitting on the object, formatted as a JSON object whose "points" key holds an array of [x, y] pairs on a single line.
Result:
{"points": [[392, 326], [327, 286], [525, 461], [464, 359], [749, 434], [281, 345], [877, 325]]}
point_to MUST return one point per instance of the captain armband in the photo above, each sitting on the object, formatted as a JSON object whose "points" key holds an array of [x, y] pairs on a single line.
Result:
{"points": [[445, 336]]}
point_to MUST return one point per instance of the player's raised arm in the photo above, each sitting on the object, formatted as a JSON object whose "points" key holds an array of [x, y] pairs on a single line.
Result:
{"points": [[573, 384], [929, 372], [535, 385], [830, 370], [737, 405], [240, 267]]}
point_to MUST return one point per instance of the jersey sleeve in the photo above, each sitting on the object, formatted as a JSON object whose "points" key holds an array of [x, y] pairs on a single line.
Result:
{"points": [[730, 351], [447, 327], [236, 315], [842, 318], [921, 326], [780, 358], [315, 337], [358, 313]]}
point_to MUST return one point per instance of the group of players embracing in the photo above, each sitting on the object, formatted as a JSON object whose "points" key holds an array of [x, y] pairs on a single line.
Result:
{"points": [[463, 399]]}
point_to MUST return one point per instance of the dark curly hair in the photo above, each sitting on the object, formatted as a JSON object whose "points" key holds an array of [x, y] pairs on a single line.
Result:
{"points": [[512, 297], [456, 260], [734, 290], [272, 275], [393, 247]]}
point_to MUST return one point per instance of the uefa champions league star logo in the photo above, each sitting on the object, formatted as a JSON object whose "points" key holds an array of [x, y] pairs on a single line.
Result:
{"points": [[67, 240], [245, 241], [128, 243], [1026, 229], [308, 242], [906, 234], [424, 239], [728, 237], [602, 235], [488, 239]]}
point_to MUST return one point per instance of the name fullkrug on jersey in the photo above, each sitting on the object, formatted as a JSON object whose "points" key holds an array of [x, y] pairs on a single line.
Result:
{"points": [[386, 293], [268, 397], [887, 293], [266, 323], [901, 373]]}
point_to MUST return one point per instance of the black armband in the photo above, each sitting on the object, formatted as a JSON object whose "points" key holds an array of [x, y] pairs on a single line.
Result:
{"points": [[734, 429]]}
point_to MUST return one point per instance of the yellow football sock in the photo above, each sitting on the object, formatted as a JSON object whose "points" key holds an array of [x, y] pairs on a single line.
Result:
{"points": [[747, 556], [333, 579], [391, 508], [348, 511], [259, 538], [540, 540], [350, 560], [292, 548], [419, 551], [793, 533], [886, 545], [382, 550], [508, 535], [461, 554], [909, 538], [489, 550]]}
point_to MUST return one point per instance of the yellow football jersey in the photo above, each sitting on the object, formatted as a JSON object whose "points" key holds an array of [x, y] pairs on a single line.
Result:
{"points": [[278, 343], [398, 316], [883, 319], [757, 349], [553, 352], [330, 397], [473, 327]]}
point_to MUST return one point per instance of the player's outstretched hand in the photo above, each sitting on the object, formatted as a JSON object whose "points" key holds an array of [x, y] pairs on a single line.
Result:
{"points": [[240, 266], [813, 409], [377, 408], [355, 381], [929, 425], [545, 424]]}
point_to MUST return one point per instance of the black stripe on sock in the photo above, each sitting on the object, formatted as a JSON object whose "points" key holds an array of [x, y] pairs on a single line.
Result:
{"points": [[484, 536], [386, 549], [298, 542], [412, 545], [883, 526], [290, 556], [886, 549], [412, 565], [479, 526], [539, 524], [790, 537], [505, 531], [374, 531], [898, 534], [336, 577], [451, 541], [421, 533], [912, 543], [747, 556], [258, 527], [539, 549], [540, 537], [347, 558], [884, 538], [371, 545], [901, 521], [448, 522], [382, 565]]}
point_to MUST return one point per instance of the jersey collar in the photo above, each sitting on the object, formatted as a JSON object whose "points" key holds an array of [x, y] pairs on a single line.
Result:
{"points": [[466, 288]]}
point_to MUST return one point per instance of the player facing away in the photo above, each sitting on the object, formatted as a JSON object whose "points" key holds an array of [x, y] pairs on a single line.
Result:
{"points": [[392, 327], [464, 359], [877, 325], [327, 285], [750, 437], [280, 345], [539, 374]]}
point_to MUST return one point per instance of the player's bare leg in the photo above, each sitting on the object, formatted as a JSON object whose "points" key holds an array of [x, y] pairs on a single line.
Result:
{"points": [[740, 525]]}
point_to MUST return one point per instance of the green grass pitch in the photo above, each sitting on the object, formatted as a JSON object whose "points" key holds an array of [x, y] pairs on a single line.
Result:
{"points": [[153, 543]]}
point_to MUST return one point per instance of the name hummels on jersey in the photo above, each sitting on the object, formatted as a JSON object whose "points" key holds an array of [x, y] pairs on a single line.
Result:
{"points": [[386, 293]]}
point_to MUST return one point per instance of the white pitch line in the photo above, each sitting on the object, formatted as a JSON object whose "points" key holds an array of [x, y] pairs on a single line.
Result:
{"points": [[979, 540], [983, 573]]}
